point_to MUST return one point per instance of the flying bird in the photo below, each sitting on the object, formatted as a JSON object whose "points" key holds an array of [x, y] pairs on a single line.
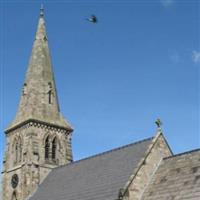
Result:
{"points": [[92, 19]]}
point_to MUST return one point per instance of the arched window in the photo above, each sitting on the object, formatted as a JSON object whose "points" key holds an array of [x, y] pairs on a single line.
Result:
{"points": [[16, 151], [54, 148], [19, 150], [14, 196], [47, 148]]}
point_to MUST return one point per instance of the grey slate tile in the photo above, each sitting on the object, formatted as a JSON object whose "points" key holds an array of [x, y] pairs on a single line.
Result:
{"points": [[98, 177], [179, 173]]}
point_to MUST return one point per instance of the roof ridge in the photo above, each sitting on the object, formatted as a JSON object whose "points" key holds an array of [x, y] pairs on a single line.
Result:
{"points": [[183, 153], [105, 152]]}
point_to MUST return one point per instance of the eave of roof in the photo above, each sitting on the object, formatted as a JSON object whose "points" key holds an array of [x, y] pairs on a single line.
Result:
{"points": [[87, 178]]}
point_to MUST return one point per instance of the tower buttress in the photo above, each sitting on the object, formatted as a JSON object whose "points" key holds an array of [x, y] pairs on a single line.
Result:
{"points": [[39, 138]]}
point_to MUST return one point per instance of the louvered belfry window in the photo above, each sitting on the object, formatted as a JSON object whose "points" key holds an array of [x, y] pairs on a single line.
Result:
{"points": [[54, 147], [14, 196], [47, 148], [16, 152]]}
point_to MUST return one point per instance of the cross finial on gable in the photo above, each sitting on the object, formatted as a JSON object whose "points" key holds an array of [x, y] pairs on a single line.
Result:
{"points": [[158, 123]]}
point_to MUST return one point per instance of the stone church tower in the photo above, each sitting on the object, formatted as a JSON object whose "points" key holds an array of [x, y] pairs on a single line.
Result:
{"points": [[39, 138]]}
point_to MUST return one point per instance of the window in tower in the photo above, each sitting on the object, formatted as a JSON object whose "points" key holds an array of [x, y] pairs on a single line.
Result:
{"points": [[16, 152], [24, 92], [50, 96], [54, 149], [45, 38], [20, 149], [47, 148], [50, 93], [14, 196]]}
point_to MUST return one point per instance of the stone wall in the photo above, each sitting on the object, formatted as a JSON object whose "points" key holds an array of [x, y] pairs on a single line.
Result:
{"points": [[147, 168], [178, 177], [32, 168]]}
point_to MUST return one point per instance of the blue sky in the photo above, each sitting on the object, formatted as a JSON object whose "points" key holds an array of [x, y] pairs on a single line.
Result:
{"points": [[114, 78]]}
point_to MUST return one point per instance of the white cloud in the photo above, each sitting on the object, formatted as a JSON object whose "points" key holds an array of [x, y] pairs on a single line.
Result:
{"points": [[167, 3], [196, 56]]}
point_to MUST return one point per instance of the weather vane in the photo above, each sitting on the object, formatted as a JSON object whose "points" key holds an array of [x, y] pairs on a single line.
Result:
{"points": [[158, 123], [41, 10]]}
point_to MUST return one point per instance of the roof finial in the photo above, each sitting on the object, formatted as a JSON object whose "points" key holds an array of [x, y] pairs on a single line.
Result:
{"points": [[41, 10], [159, 124]]}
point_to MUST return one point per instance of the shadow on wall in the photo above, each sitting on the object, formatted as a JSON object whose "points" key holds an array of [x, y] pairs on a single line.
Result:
{"points": [[1, 188]]}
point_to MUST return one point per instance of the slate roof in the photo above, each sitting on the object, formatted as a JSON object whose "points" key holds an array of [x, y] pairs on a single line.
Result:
{"points": [[98, 177], [177, 178]]}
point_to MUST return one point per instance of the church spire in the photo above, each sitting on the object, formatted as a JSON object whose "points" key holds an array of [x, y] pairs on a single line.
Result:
{"points": [[39, 96]]}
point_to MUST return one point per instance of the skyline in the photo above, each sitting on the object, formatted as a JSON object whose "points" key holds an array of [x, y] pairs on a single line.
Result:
{"points": [[116, 75]]}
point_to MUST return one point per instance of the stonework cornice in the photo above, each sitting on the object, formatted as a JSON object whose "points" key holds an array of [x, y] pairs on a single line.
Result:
{"points": [[39, 124]]}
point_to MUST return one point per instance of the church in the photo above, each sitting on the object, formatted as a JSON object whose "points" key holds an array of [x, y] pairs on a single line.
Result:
{"points": [[38, 162]]}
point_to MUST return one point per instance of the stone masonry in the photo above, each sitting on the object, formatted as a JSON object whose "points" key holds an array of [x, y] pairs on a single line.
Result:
{"points": [[140, 178], [39, 138]]}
